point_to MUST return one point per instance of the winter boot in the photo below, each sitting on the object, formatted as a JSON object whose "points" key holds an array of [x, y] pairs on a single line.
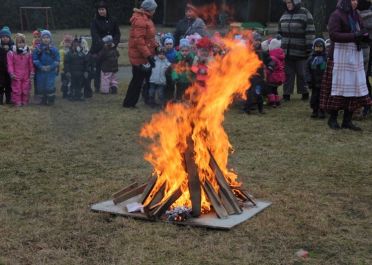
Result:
{"points": [[114, 90], [315, 114], [347, 123], [50, 100], [287, 97], [321, 114], [332, 121], [43, 100], [305, 97]]}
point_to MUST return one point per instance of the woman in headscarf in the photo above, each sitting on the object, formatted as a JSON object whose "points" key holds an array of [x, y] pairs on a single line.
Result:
{"points": [[296, 26], [344, 85]]}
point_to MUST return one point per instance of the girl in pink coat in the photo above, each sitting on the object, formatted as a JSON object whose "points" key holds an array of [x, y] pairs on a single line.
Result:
{"points": [[21, 71], [275, 75]]}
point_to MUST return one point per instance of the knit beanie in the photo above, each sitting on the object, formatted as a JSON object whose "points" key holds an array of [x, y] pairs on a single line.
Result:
{"points": [[149, 5], [192, 7], [319, 41], [101, 4], [107, 39], [275, 44], [184, 43], [5, 31], [19, 37], [46, 33]]}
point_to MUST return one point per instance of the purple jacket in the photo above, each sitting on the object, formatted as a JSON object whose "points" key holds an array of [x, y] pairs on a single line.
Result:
{"points": [[340, 30]]}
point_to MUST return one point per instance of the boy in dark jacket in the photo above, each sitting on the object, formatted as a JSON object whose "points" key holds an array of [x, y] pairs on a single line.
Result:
{"points": [[258, 84], [76, 69], [108, 58], [6, 45], [315, 67]]}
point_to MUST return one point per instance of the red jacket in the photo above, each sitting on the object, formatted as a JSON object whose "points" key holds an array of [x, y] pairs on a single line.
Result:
{"points": [[277, 76], [142, 41]]}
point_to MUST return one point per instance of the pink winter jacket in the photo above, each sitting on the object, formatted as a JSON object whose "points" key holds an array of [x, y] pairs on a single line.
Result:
{"points": [[20, 65], [277, 76]]}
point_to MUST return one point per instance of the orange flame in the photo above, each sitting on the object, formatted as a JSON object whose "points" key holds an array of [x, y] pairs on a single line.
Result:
{"points": [[200, 117]]}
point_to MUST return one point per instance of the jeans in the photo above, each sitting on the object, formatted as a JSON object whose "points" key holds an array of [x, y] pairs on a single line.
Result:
{"points": [[159, 88]]}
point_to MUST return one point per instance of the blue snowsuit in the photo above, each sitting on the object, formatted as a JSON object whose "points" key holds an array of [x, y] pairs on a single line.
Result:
{"points": [[46, 55]]}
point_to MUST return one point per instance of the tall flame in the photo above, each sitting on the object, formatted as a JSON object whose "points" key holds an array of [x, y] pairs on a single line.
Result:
{"points": [[200, 117]]}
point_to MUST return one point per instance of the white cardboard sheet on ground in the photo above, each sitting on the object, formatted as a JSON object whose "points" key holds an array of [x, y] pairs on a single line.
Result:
{"points": [[209, 220]]}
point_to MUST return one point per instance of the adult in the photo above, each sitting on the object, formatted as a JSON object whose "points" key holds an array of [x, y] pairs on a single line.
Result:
{"points": [[344, 84], [141, 50], [296, 26], [364, 6], [190, 24], [102, 25]]}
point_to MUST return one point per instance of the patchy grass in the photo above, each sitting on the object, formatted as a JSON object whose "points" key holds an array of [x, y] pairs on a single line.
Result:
{"points": [[57, 161]]}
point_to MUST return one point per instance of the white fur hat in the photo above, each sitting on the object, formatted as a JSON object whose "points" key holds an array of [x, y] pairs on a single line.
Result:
{"points": [[275, 44]]}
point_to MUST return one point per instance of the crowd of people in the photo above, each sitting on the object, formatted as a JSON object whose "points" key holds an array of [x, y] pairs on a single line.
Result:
{"points": [[164, 65]]}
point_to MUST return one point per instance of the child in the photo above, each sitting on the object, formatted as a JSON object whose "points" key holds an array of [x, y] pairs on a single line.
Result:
{"points": [[171, 54], [21, 71], [76, 69], [170, 51], [46, 61], [109, 66], [65, 47], [157, 78], [181, 73], [315, 67], [255, 92], [275, 74], [5, 46], [88, 92], [200, 64]]}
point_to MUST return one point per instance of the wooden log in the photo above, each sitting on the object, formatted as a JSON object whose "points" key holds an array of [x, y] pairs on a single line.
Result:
{"points": [[246, 195], [193, 178], [159, 211], [214, 199], [225, 190], [125, 190], [150, 184], [134, 192], [158, 196]]}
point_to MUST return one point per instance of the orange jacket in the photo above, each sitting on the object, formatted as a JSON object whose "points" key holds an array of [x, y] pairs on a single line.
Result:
{"points": [[142, 41]]}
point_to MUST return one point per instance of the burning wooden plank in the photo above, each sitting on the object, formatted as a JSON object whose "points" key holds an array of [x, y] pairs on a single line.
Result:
{"points": [[150, 184], [168, 202], [214, 199], [228, 197], [193, 177], [244, 195], [129, 194]]}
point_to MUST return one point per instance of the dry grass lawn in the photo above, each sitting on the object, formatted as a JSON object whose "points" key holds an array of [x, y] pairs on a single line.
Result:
{"points": [[55, 162]]}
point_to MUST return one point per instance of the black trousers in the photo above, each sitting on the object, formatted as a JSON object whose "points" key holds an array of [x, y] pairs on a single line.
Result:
{"points": [[315, 97], [97, 75], [135, 85], [77, 84]]}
